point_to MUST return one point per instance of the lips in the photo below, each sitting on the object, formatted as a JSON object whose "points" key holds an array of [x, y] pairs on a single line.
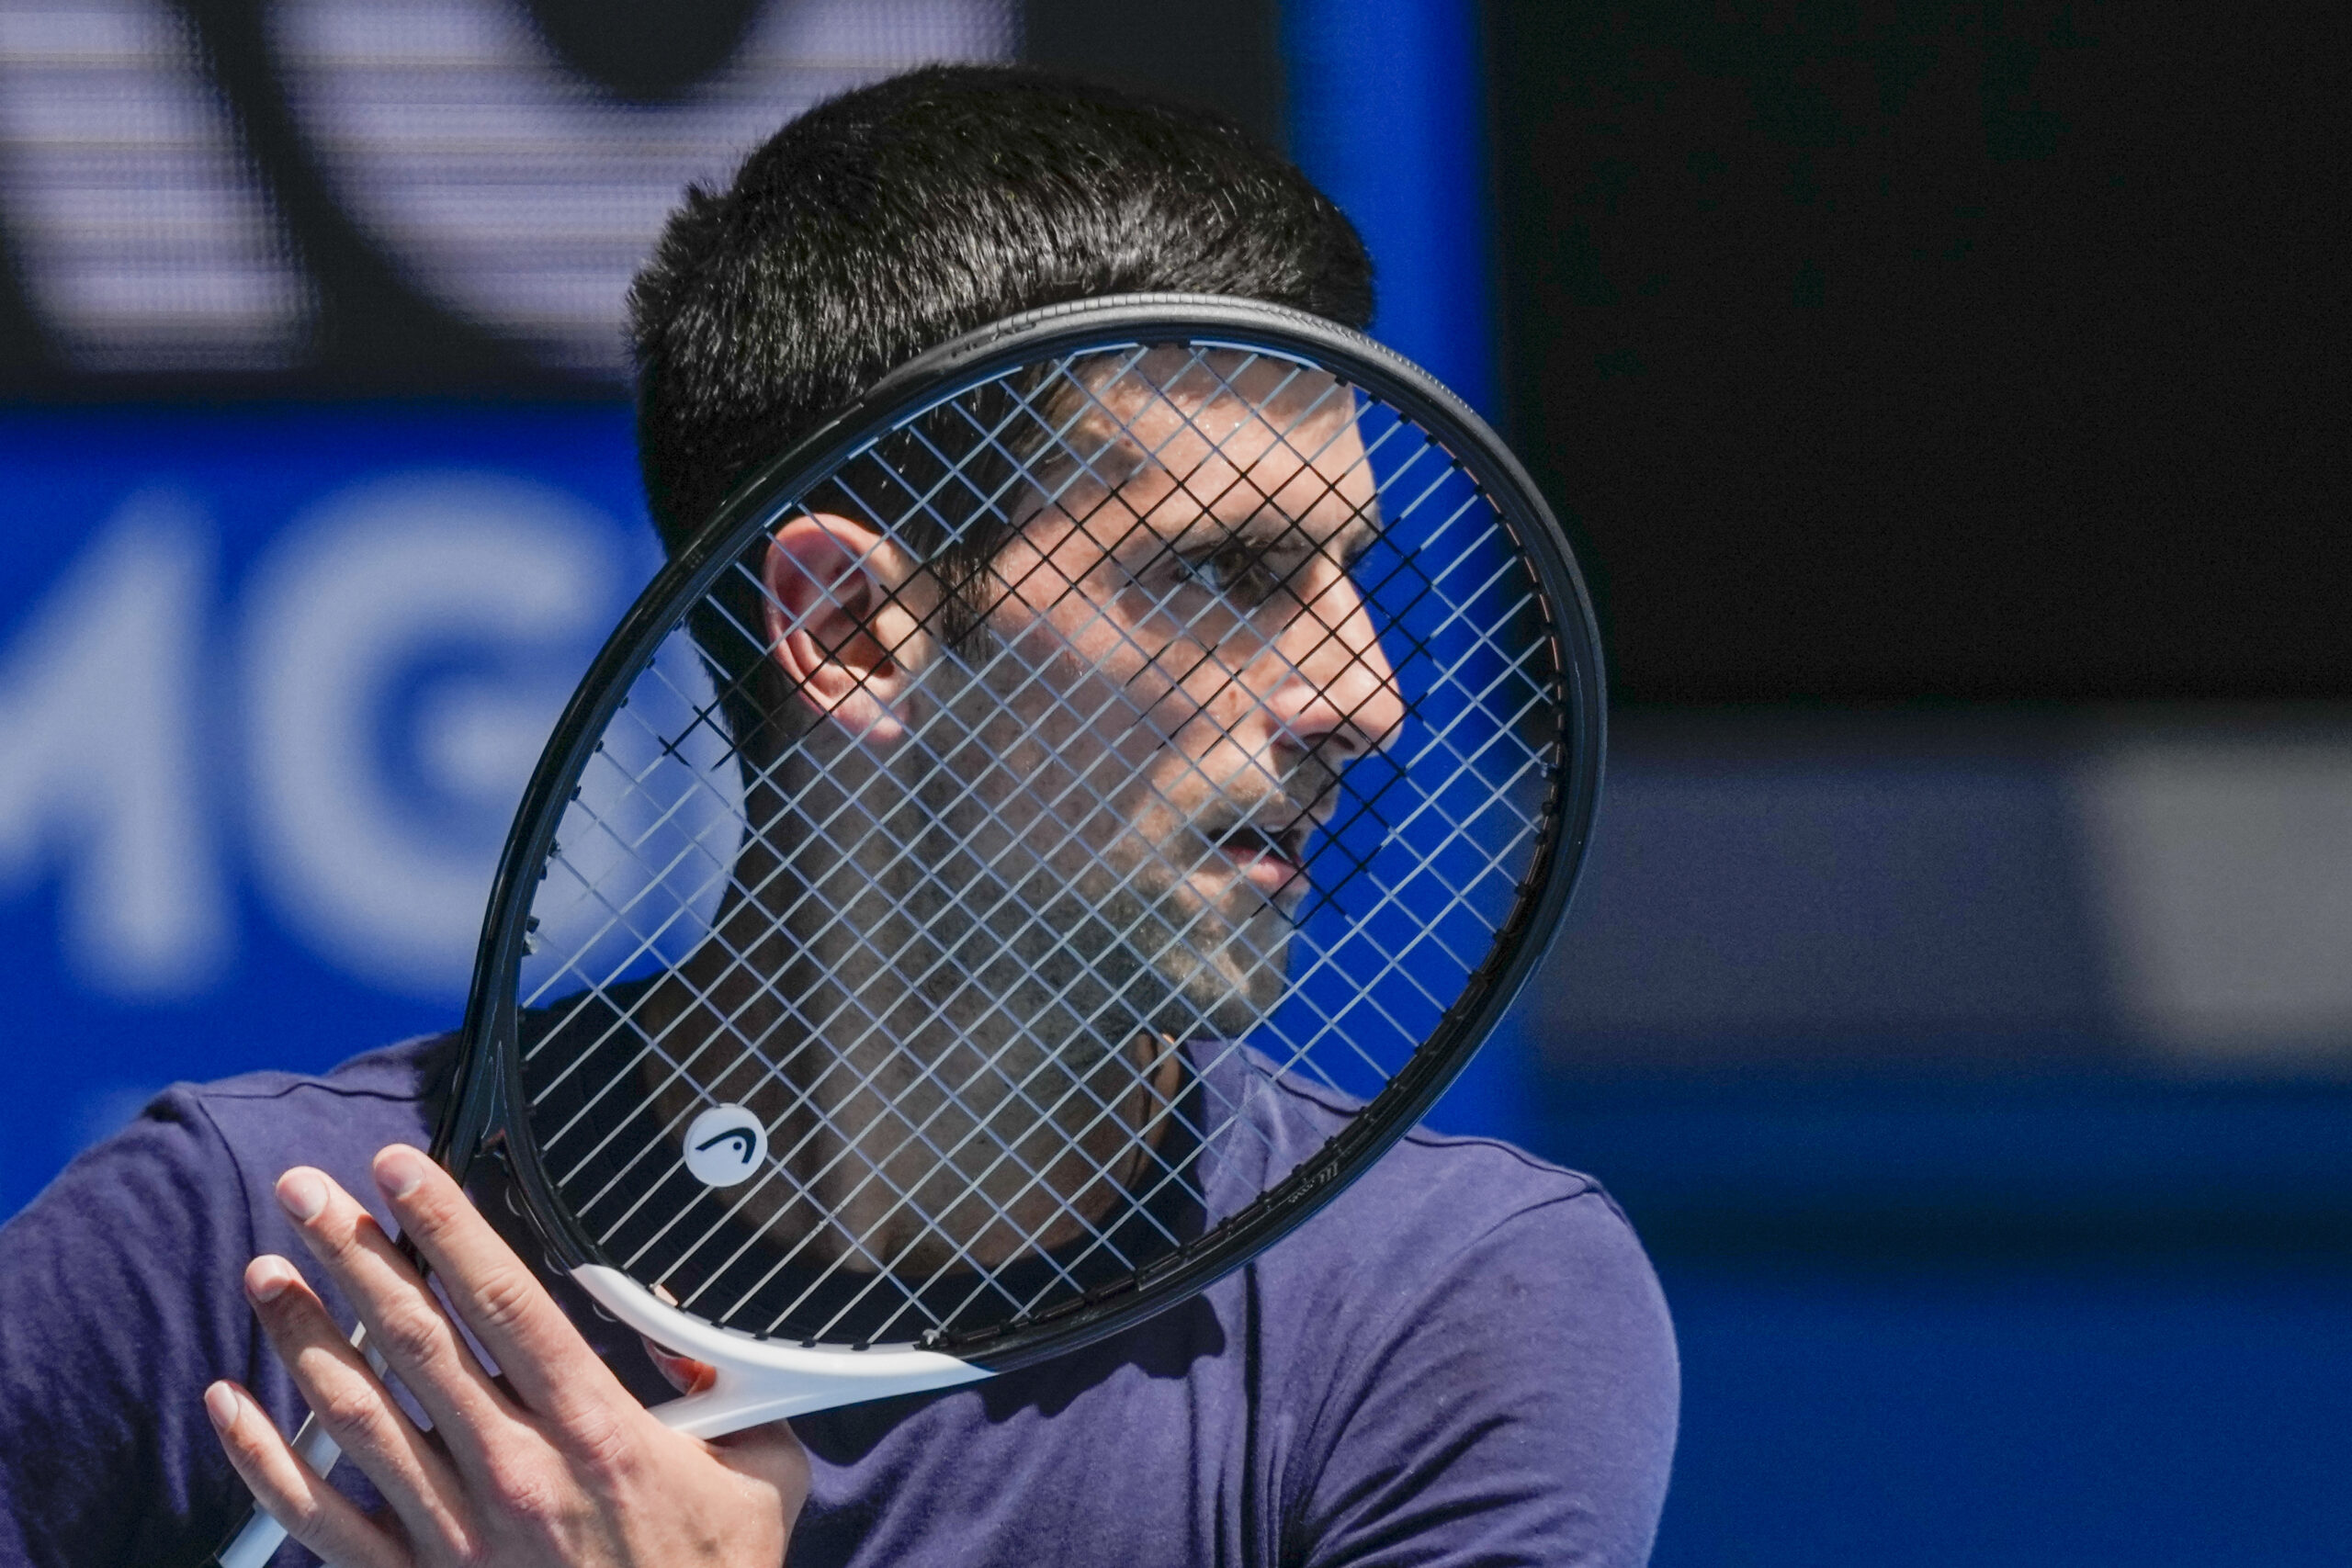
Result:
{"points": [[1272, 861]]}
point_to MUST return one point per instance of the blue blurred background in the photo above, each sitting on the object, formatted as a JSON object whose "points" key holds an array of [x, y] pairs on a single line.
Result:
{"points": [[1946, 398]]}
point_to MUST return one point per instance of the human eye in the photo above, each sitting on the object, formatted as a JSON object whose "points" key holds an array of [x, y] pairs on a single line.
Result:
{"points": [[1243, 574]]}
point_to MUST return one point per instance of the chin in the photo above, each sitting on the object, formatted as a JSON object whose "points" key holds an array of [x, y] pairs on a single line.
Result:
{"points": [[1203, 958], [1237, 975]]}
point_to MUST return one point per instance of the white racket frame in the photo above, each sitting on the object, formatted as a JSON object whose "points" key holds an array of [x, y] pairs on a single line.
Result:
{"points": [[759, 1381], [765, 1379]]}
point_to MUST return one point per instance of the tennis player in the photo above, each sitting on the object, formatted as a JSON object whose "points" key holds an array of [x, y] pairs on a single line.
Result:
{"points": [[1462, 1360]]}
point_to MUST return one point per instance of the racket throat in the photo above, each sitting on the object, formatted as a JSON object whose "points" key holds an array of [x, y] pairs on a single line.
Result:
{"points": [[759, 1379]]}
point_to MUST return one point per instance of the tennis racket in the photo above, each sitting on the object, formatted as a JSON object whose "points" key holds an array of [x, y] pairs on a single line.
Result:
{"points": [[1047, 836]]}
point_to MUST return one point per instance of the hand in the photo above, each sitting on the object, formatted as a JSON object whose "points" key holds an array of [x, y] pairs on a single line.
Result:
{"points": [[552, 1462]]}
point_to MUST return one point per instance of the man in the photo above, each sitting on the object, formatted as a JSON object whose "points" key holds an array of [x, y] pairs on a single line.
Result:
{"points": [[1463, 1360], [1028, 800]]}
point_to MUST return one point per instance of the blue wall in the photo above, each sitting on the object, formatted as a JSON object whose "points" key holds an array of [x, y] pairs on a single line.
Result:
{"points": [[202, 870], [2168, 1410], [1387, 115]]}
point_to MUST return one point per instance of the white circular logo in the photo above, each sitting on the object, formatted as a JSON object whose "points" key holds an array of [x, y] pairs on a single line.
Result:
{"points": [[726, 1145]]}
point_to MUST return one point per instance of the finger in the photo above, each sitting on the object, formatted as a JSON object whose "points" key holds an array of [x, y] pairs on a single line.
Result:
{"points": [[313, 1512], [353, 1404], [772, 1455], [405, 1325], [683, 1373], [550, 1368]]}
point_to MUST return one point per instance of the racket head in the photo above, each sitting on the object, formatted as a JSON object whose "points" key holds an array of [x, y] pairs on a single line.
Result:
{"points": [[1479, 613]]}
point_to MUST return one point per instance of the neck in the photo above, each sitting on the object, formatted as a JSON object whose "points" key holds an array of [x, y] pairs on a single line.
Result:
{"points": [[942, 1087]]}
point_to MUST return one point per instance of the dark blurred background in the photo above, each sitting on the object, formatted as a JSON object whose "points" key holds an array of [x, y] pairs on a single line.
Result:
{"points": [[1947, 400]]}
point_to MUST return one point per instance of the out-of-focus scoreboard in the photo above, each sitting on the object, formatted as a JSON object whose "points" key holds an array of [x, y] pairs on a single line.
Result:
{"points": [[444, 186], [316, 484]]}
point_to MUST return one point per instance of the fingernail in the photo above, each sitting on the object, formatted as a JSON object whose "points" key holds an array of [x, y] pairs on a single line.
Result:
{"points": [[399, 1170], [223, 1405], [302, 1193], [267, 1278]]}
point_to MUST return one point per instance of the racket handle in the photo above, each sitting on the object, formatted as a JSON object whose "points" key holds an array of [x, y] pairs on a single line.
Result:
{"points": [[259, 1540]]}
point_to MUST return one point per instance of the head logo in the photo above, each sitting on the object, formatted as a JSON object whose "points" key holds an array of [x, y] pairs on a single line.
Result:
{"points": [[726, 1145]]}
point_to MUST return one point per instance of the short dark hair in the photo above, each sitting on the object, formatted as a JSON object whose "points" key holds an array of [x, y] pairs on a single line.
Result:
{"points": [[896, 216]]}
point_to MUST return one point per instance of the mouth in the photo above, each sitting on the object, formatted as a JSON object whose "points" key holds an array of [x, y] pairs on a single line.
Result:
{"points": [[1273, 860]]}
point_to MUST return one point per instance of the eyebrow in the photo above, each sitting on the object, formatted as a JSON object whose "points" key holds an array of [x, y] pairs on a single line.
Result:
{"points": [[1120, 437], [1267, 526]]}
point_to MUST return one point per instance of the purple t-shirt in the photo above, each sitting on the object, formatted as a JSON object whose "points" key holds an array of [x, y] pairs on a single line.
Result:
{"points": [[1465, 1359]]}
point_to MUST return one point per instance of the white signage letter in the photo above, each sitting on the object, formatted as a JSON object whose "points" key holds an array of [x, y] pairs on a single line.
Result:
{"points": [[98, 760]]}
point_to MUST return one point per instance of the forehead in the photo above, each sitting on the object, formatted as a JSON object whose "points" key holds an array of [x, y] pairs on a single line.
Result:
{"points": [[1169, 397], [1183, 437]]}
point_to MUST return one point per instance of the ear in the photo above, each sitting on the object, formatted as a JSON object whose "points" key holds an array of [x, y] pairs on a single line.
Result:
{"points": [[838, 623]]}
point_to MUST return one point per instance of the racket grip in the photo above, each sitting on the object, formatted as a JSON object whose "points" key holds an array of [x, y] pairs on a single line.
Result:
{"points": [[259, 1540]]}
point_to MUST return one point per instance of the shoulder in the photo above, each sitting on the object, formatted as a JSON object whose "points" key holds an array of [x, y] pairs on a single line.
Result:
{"points": [[1466, 1220], [191, 1174], [1434, 1209], [389, 1094], [408, 1072], [184, 1140], [1476, 1341], [1467, 1179], [1446, 1224], [126, 1270], [336, 1120], [1474, 1204], [1520, 1275]]}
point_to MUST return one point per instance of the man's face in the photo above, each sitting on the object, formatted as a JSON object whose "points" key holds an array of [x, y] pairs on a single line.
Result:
{"points": [[1018, 866], [1177, 665]]}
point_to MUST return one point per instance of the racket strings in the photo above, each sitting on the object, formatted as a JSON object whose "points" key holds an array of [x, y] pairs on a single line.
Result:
{"points": [[704, 715], [1018, 1091], [1536, 698]]}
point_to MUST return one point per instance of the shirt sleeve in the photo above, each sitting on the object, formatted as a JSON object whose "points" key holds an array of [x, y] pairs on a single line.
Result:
{"points": [[1518, 1409], [118, 1302]]}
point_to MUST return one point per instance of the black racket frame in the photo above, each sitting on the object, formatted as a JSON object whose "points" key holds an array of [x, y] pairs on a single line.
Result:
{"points": [[487, 1084]]}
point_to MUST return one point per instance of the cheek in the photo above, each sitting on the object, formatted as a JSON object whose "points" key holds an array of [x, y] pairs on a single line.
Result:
{"points": [[1089, 677], [1194, 692], [1111, 712]]}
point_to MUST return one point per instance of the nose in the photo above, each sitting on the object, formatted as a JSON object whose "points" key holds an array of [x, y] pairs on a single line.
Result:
{"points": [[1339, 697]]}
